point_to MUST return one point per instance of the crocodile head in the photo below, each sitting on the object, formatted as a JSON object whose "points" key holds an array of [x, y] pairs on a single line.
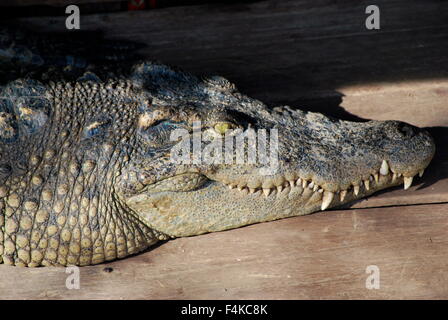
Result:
{"points": [[251, 164]]}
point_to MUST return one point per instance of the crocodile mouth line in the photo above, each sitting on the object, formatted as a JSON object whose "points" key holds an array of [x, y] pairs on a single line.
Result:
{"points": [[298, 186], [290, 186]]}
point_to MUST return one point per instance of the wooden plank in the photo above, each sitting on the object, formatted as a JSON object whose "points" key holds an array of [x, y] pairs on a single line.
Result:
{"points": [[36, 8], [23, 3], [290, 50], [320, 256]]}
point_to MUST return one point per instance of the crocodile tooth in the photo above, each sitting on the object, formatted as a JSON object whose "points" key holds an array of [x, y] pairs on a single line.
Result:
{"points": [[311, 185], [279, 188], [394, 177], [266, 191], [320, 190], [315, 187], [245, 190], [399, 175], [240, 188], [298, 182], [376, 177], [384, 170], [326, 199], [231, 186], [356, 190], [407, 182], [291, 183], [367, 184], [343, 194], [420, 174], [370, 178], [304, 184], [251, 190]]}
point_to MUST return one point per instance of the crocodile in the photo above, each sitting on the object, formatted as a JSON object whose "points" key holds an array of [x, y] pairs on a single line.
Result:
{"points": [[90, 170]]}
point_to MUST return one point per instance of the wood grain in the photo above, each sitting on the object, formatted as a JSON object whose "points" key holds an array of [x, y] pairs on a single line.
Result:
{"points": [[321, 256], [23, 3]]}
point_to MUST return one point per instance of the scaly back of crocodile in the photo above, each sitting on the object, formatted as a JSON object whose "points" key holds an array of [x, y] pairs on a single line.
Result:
{"points": [[62, 146]]}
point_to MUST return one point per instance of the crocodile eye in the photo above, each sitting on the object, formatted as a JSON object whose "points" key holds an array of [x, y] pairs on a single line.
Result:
{"points": [[223, 127]]}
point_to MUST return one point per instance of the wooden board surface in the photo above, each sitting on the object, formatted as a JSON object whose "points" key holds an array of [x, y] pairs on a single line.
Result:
{"points": [[316, 55], [23, 3], [320, 256]]}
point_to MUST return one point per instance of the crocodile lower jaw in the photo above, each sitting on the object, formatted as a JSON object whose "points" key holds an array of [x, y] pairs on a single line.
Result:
{"points": [[306, 187]]}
